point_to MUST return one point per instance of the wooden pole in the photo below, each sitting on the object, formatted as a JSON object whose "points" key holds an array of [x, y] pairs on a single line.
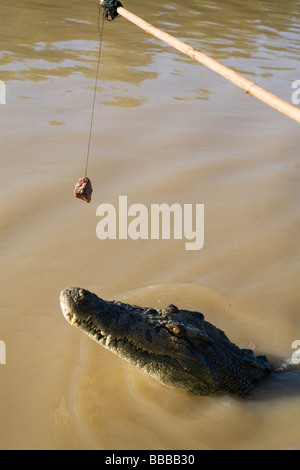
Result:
{"points": [[250, 87]]}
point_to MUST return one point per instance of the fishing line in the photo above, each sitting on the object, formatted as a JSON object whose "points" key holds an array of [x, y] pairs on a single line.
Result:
{"points": [[100, 31], [83, 188]]}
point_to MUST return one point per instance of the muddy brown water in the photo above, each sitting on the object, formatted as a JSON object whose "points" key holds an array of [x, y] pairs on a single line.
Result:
{"points": [[166, 130]]}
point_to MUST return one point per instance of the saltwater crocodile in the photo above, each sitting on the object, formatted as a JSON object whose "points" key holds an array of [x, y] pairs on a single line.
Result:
{"points": [[177, 347]]}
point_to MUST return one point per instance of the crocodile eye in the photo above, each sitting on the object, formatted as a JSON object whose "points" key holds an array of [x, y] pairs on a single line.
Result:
{"points": [[175, 329]]}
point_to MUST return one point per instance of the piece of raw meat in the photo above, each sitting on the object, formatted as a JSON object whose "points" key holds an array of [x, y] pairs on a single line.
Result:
{"points": [[83, 189]]}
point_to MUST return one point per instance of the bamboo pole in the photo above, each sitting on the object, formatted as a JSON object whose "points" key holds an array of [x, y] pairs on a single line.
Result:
{"points": [[248, 86]]}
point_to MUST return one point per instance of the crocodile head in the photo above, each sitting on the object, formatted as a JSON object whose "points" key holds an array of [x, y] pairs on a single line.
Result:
{"points": [[177, 347]]}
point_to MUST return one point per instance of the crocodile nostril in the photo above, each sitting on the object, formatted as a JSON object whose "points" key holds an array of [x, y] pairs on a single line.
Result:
{"points": [[82, 293]]}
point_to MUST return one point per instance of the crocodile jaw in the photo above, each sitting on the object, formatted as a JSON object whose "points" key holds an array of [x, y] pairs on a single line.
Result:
{"points": [[118, 345], [158, 366], [162, 365]]}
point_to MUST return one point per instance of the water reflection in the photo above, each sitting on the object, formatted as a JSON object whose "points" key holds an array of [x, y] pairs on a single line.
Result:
{"points": [[41, 40]]}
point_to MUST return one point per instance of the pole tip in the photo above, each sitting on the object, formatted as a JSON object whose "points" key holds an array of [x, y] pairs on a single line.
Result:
{"points": [[110, 8]]}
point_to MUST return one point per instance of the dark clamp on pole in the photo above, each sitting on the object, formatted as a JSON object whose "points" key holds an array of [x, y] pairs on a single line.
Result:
{"points": [[110, 8]]}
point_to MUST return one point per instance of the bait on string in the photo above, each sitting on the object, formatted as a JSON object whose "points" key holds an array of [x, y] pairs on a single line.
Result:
{"points": [[83, 188]]}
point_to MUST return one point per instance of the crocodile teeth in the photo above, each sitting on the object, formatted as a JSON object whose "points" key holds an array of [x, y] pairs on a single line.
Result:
{"points": [[108, 340], [73, 321]]}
